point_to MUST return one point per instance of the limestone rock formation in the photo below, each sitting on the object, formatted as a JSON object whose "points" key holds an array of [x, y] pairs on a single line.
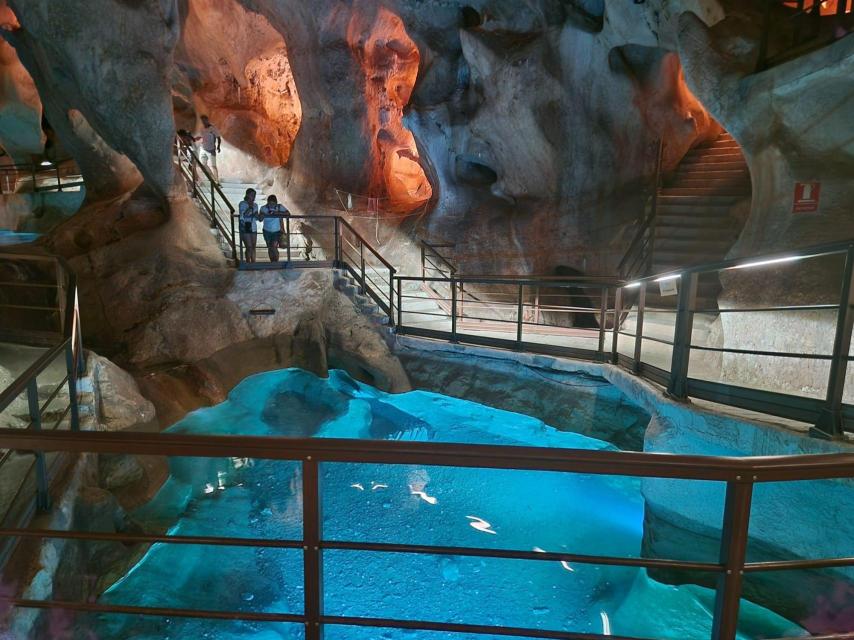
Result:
{"points": [[120, 405]]}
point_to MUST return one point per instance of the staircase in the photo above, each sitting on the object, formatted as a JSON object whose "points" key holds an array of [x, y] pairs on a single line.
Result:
{"points": [[694, 222]]}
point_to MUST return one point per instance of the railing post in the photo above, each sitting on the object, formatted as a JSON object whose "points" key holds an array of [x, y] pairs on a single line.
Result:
{"points": [[337, 242], [35, 182], [618, 310], [678, 385], [288, 236], [399, 304], [213, 205], [603, 320], [58, 178], [423, 263], [391, 273], [519, 313], [829, 424], [312, 554], [192, 161], [453, 310], [364, 286], [71, 368], [734, 535], [234, 235], [42, 494], [636, 366]]}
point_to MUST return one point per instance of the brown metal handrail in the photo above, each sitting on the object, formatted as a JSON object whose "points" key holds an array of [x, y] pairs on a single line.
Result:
{"points": [[71, 345], [42, 177], [637, 260], [804, 26], [190, 165], [739, 474]]}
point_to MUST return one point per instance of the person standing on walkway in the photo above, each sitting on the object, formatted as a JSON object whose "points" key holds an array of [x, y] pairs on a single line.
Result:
{"points": [[248, 211], [211, 146], [274, 226]]}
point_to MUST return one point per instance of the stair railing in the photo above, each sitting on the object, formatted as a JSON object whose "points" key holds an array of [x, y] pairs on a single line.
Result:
{"points": [[207, 192], [791, 28], [372, 272], [638, 258], [52, 306]]}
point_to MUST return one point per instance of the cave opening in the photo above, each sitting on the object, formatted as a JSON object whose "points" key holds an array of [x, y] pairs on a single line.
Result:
{"points": [[470, 18], [245, 84]]}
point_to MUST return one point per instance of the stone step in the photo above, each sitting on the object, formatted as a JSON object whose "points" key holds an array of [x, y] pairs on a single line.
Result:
{"points": [[700, 246], [700, 233], [711, 172], [727, 186], [713, 164], [702, 224], [711, 152], [669, 197], [699, 191]]}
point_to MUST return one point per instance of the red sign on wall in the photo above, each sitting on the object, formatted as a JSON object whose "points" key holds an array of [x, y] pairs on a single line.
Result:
{"points": [[807, 195]]}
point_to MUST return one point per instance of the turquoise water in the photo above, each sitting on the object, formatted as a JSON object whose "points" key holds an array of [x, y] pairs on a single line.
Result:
{"points": [[8, 237], [596, 515]]}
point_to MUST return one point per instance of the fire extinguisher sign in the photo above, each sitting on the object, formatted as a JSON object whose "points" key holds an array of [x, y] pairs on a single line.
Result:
{"points": [[807, 197]]}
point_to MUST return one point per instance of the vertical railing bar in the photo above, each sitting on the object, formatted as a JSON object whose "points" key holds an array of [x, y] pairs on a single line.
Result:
{"points": [[519, 313], [399, 303], [603, 319], [312, 553], [391, 273], [615, 327], [733, 552], [233, 236], [58, 178], [42, 496], [288, 236], [363, 284], [678, 385], [71, 369], [829, 423], [639, 328], [337, 242], [453, 309]]}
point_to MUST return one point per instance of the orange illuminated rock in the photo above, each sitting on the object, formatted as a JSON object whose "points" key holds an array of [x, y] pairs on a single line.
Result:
{"points": [[239, 70], [389, 60]]}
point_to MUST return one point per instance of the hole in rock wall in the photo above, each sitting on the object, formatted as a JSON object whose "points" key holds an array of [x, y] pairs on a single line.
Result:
{"points": [[470, 18], [236, 65], [389, 60]]}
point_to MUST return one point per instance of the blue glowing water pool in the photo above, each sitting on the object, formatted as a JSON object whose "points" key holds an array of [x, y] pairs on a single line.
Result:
{"points": [[8, 237], [592, 515]]}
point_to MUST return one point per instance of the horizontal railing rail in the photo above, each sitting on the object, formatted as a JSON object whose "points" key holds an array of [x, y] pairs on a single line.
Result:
{"points": [[638, 258], [791, 28], [739, 474], [207, 191], [541, 311], [62, 175], [46, 406]]}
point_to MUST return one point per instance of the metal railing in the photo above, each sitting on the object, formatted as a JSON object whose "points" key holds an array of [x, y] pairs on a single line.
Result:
{"points": [[791, 28], [44, 296], [740, 476], [634, 325], [638, 259], [374, 274], [206, 190], [63, 175], [553, 315]]}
